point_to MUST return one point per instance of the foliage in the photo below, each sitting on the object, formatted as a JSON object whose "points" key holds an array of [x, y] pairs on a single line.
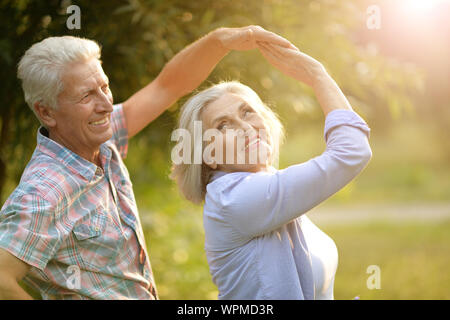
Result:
{"points": [[139, 37]]}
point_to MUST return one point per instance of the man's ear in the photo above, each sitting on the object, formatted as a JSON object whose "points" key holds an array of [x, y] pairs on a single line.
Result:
{"points": [[46, 114]]}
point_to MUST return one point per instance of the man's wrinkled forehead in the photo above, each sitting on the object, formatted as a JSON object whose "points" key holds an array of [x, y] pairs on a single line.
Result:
{"points": [[83, 75]]}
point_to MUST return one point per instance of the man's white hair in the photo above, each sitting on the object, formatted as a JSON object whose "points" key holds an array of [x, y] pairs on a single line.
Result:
{"points": [[42, 65], [192, 178]]}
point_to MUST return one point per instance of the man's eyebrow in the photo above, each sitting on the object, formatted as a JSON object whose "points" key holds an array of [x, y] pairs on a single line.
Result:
{"points": [[85, 90], [241, 106], [90, 87]]}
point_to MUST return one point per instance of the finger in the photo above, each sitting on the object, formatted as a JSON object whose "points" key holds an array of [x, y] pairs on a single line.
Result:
{"points": [[277, 43], [265, 49], [276, 52], [274, 47], [277, 59], [250, 34], [276, 63], [267, 36], [272, 57], [286, 53]]}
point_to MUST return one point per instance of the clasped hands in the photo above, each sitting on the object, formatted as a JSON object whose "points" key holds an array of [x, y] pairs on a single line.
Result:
{"points": [[277, 50]]}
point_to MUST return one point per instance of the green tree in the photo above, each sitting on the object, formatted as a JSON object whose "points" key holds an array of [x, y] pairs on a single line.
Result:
{"points": [[139, 37]]}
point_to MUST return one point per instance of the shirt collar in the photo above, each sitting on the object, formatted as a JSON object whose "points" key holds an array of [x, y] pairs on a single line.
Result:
{"points": [[67, 157], [217, 174]]}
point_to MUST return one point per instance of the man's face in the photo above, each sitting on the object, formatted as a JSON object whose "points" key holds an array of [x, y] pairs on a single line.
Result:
{"points": [[82, 120]]}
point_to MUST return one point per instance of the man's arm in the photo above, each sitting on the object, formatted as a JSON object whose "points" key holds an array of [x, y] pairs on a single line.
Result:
{"points": [[12, 270], [188, 69]]}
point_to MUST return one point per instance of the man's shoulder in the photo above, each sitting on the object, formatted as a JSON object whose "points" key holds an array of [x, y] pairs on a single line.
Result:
{"points": [[46, 178]]}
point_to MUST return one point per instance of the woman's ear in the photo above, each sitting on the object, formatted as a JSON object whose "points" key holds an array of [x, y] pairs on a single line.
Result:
{"points": [[46, 114], [210, 162]]}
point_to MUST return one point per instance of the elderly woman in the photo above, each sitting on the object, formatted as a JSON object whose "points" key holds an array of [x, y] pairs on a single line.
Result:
{"points": [[259, 242]]}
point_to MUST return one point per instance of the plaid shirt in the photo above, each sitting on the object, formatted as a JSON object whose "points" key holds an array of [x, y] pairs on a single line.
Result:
{"points": [[77, 225]]}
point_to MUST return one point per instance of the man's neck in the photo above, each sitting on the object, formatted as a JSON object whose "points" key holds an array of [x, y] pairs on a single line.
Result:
{"points": [[89, 155]]}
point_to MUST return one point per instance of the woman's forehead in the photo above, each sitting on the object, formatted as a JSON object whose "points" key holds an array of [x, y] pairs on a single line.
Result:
{"points": [[227, 104]]}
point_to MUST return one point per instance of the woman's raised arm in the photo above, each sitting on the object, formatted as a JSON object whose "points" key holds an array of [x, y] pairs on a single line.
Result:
{"points": [[262, 202], [294, 63]]}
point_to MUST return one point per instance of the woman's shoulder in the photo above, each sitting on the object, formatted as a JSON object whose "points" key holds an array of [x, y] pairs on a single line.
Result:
{"points": [[221, 180], [226, 182]]}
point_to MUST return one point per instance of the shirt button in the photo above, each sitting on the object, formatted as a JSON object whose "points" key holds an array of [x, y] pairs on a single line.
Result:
{"points": [[99, 171], [142, 256]]}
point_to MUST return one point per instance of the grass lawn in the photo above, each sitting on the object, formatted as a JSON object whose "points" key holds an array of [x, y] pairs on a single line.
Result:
{"points": [[413, 259]]}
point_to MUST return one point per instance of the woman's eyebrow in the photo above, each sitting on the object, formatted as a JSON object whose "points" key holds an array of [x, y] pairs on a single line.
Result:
{"points": [[241, 106], [218, 119]]}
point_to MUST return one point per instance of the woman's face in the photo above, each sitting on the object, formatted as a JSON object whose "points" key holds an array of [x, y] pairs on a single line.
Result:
{"points": [[243, 138]]}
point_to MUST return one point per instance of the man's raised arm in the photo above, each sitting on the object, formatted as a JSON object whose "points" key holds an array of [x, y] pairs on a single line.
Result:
{"points": [[188, 69]]}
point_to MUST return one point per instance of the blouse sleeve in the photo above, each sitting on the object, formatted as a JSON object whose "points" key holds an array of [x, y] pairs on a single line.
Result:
{"points": [[262, 202]]}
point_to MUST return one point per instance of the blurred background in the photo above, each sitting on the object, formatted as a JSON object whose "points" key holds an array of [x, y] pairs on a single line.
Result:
{"points": [[390, 58]]}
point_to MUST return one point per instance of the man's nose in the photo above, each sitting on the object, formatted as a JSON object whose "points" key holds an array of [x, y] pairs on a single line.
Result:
{"points": [[104, 103]]}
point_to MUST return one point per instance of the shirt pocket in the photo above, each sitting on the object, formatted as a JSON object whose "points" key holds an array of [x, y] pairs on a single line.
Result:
{"points": [[89, 229], [89, 239]]}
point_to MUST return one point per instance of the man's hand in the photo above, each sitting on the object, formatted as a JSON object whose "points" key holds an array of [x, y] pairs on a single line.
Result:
{"points": [[246, 38], [12, 270]]}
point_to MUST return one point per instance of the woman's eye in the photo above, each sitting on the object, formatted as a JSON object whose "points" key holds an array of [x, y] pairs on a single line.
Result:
{"points": [[247, 112], [222, 125]]}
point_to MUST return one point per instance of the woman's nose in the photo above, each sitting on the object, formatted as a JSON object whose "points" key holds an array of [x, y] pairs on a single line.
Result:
{"points": [[245, 127]]}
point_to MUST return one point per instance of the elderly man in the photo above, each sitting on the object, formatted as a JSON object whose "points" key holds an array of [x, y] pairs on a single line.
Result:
{"points": [[71, 228]]}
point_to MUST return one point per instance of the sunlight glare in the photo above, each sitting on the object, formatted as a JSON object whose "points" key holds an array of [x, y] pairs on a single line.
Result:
{"points": [[421, 6]]}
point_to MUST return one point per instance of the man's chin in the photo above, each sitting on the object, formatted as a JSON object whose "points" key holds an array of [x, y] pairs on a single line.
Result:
{"points": [[102, 138]]}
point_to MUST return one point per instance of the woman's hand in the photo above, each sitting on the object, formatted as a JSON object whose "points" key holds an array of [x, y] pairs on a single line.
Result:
{"points": [[292, 62], [302, 67], [246, 38]]}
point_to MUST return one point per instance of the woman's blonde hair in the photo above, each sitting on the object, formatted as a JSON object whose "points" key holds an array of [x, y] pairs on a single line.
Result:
{"points": [[192, 178]]}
